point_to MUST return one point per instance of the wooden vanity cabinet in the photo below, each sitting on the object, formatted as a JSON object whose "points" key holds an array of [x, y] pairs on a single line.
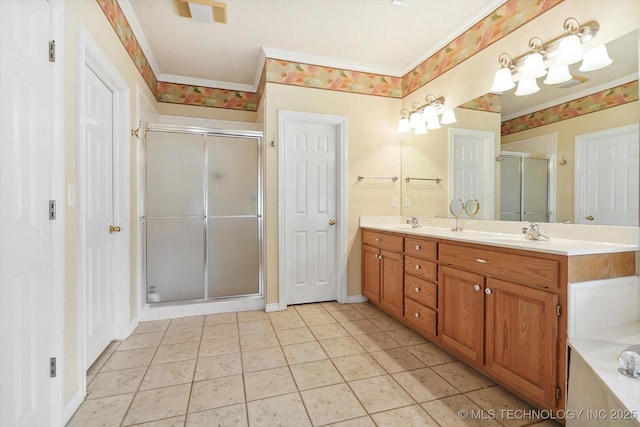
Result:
{"points": [[508, 329], [382, 271], [420, 285]]}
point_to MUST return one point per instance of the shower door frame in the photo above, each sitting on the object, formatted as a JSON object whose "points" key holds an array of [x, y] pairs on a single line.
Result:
{"points": [[204, 132]]}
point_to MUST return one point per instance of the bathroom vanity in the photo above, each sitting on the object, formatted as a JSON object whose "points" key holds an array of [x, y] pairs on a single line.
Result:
{"points": [[495, 300]]}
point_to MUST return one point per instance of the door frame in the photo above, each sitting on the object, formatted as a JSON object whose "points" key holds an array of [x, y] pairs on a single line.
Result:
{"points": [[487, 205], [89, 54], [285, 118], [580, 170]]}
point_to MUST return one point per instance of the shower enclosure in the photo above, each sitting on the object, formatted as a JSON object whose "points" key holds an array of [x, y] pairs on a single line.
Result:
{"points": [[524, 187], [202, 217]]}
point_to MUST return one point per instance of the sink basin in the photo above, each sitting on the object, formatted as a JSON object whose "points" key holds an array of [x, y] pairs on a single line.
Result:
{"points": [[515, 239]]}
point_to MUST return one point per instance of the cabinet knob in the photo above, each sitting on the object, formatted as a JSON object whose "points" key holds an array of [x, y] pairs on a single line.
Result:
{"points": [[417, 315], [487, 291], [476, 287], [417, 290], [417, 267], [377, 239], [417, 247]]}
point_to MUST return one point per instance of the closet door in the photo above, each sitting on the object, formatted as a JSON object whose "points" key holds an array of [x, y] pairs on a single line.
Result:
{"points": [[233, 216], [175, 221]]}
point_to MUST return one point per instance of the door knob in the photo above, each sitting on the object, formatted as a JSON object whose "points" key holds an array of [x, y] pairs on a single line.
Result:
{"points": [[114, 229], [332, 222], [590, 217]]}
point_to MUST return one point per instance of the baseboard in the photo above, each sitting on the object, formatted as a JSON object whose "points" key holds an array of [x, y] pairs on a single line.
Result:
{"points": [[72, 406], [197, 309], [270, 308], [134, 324], [353, 299]]}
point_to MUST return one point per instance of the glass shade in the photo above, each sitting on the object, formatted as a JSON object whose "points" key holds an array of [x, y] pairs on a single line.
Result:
{"points": [[502, 81], [421, 129], [448, 117], [527, 87], [415, 120], [403, 125], [595, 58], [558, 74], [533, 66], [433, 123], [429, 113], [569, 51]]}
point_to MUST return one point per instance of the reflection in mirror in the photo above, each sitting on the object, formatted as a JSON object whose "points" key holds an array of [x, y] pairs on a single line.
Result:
{"points": [[471, 207], [456, 207], [545, 124]]}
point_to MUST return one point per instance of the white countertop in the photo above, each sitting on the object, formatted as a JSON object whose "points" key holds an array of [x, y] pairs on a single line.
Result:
{"points": [[441, 228], [600, 349]]}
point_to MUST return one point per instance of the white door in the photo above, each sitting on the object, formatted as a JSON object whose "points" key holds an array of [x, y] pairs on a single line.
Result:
{"points": [[609, 195], [26, 292], [471, 168], [96, 191], [310, 221]]}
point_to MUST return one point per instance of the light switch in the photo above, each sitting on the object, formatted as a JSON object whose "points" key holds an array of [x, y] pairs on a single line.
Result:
{"points": [[407, 202], [394, 202]]}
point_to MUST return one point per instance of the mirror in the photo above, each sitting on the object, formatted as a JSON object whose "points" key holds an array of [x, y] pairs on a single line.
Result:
{"points": [[428, 155], [471, 207]]}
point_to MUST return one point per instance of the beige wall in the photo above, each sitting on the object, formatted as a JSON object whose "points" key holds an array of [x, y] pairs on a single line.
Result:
{"points": [[373, 150], [207, 112], [566, 131], [427, 156]]}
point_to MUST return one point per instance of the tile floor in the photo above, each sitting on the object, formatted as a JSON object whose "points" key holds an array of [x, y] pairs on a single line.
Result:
{"points": [[315, 364]]}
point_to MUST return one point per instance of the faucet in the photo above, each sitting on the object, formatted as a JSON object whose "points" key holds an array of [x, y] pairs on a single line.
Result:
{"points": [[414, 222], [532, 232]]}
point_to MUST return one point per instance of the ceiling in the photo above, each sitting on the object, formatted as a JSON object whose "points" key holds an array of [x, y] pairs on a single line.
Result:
{"points": [[364, 35]]}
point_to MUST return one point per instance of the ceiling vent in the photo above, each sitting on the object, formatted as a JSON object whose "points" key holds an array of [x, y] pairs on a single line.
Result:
{"points": [[575, 81], [202, 10]]}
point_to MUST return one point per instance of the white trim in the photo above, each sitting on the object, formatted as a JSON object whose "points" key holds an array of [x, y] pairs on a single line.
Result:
{"points": [[487, 205], [270, 308], [580, 169], [354, 299], [216, 84], [58, 168], [72, 405], [196, 309], [285, 117], [91, 55]]}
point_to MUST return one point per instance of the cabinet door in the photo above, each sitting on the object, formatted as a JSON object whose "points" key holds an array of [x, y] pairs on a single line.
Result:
{"points": [[391, 285], [461, 316], [371, 273], [522, 338]]}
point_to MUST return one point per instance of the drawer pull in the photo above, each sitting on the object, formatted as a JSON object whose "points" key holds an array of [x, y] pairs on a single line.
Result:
{"points": [[417, 315], [482, 261], [417, 247], [476, 287], [487, 291], [417, 290], [377, 239], [417, 267]]}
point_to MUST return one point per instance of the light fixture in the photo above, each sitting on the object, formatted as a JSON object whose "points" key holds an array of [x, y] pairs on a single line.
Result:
{"points": [[595, 58], [424, 117], [448, 117], [403, 124], [557, 55]]}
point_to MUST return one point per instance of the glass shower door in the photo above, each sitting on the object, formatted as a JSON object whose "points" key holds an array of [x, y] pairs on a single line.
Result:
{"points": [[233, 216], [174, 221]]}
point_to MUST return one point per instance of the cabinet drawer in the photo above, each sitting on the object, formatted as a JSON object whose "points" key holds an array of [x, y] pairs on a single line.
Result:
{"points": [[419, 290], [421, 248], [420, 317], [524, 269], [389, 242], [425, 269]]}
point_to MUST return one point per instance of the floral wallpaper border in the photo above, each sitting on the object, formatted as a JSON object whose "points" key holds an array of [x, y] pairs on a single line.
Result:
{"points": [[489, 102], [320, 77], [494, 26], [504, 20], [598, 101]]}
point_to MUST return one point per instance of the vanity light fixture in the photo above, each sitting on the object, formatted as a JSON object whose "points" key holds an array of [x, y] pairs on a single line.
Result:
{"points": [[424, 117], [555, 55]]}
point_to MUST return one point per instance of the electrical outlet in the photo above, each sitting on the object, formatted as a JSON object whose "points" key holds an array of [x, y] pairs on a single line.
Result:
{"points": [[394, 202], [407, 202]]}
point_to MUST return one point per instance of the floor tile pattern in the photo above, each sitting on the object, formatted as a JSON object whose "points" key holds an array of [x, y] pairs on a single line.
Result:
{"points": [[324, 364]]}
